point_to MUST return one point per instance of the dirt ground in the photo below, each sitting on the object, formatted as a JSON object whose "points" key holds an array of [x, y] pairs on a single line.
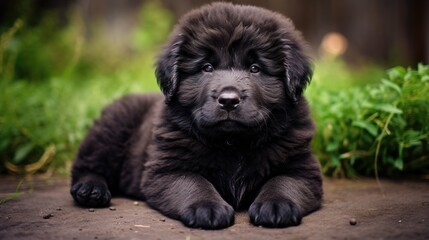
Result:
{"points": [[397, 210]]}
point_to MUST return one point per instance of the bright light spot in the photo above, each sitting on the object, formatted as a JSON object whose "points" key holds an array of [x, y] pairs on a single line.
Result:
{"points": [[334, 44]]}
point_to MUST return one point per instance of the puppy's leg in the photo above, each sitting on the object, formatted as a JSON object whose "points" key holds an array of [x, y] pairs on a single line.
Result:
{"points": [[103, 152], [97, 164], [284, 200], [189, 198], [92, 169]]}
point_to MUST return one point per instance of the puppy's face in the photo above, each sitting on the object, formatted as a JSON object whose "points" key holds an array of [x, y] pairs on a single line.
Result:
{"points": [[234, 68], [231, 100]]}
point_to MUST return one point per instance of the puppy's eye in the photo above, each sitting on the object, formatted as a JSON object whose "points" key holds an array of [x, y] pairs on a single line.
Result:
{"points": [[208, 68], [254, 68]]}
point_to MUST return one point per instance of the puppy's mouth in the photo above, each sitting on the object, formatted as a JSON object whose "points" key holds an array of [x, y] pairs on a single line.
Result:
{"points": [[230, 125], [232, 122], [227, 125]]}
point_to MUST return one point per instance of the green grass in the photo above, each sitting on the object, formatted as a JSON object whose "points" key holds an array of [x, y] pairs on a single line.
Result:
{"points": [[18, 192], [52, 89], [57, 112]]}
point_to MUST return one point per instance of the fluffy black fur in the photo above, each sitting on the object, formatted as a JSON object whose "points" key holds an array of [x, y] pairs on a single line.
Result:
{"points": [[231, 132]]}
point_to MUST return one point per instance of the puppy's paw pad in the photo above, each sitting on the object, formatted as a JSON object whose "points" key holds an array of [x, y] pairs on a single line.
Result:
{"points": [[208, 215], [91, 194], [275, 214]]}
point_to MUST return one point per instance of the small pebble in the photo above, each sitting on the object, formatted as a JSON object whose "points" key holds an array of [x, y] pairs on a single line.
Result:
{"points": [[59, 209], [400, 221], [162, 219], [112, 208], [91, 210], [136, 203], [353, 221], [47, 216]]}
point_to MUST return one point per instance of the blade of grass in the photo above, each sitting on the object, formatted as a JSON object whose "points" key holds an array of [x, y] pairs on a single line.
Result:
{"points": [[14, 195]]}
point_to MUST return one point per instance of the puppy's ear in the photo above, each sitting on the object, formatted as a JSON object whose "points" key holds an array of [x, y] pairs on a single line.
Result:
{"points": [[167, 67], [298, 70]]}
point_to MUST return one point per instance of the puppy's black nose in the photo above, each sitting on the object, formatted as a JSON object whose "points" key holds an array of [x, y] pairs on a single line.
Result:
{"points": [[228, 100]]}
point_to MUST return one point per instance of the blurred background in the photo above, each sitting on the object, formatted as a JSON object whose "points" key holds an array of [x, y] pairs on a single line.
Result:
{"points": [[61, 61]]}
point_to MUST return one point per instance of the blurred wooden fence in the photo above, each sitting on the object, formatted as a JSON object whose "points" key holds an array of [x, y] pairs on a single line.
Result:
{"points": [[387, 32]]}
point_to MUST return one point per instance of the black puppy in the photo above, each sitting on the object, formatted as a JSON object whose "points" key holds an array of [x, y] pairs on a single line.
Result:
{"points": [[232, 130]]}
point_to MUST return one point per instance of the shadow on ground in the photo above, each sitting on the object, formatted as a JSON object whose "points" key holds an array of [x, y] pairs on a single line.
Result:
{"points": [[393, 210]]}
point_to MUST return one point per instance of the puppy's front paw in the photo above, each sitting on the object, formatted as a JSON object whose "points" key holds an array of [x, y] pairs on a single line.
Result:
{"points": [[91, 194], [208, 215], [275, 214]]}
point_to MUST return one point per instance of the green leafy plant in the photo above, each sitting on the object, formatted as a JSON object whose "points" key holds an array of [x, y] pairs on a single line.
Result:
{"points": [[52, 89], [375, 129]]}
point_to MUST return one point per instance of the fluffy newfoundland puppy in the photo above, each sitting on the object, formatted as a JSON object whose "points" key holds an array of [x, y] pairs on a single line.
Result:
{"points": [[231, 131]]}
